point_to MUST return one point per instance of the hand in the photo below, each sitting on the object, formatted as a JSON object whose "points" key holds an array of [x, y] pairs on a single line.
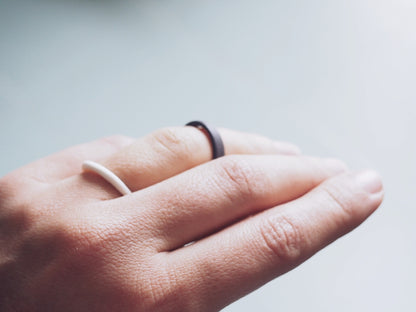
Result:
{"points": [[195, 234]]}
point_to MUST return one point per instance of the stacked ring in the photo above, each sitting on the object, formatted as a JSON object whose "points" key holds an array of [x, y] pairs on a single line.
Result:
{"points": [[119, 185], [213, 135]]}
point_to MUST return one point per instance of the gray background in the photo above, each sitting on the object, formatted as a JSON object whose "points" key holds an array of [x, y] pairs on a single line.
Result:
{"points": [[335, 77]]}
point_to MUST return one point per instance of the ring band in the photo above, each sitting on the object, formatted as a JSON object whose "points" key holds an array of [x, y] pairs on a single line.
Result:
{"points": [[214, 136], [107, 175], [119, 185]]}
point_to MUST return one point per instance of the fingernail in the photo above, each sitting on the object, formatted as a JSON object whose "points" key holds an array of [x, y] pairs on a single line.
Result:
{"points": [[370, 181]]}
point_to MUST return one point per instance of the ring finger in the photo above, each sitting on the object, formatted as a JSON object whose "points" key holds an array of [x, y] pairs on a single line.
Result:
{"points": [[166, 153]]}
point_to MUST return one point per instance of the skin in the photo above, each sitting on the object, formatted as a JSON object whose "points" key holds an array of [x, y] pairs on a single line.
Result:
{"points": [[195, 235]]}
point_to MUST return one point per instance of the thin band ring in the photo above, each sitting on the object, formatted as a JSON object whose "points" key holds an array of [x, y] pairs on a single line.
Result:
{"points": [[107, 175], [214, 137], [119, 185]]}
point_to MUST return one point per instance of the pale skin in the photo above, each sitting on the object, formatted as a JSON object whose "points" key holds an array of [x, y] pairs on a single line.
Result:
{"points": [[195, 235]]}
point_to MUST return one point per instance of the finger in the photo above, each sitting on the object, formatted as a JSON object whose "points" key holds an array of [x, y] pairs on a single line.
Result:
{"points": [[68, 162], [169, 152], [249, 143], [243, 257], [53, 168], [202, 200]]}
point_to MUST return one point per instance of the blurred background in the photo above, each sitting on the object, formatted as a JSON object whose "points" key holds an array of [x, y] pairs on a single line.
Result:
{"points": [[335, 77]]}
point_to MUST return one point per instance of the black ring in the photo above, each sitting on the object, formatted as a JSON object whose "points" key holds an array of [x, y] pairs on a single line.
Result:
{"points": [[214, 136]]}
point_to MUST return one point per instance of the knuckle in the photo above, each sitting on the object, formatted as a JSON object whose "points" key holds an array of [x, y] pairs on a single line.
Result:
{"points": [[9, 187], [84, 235], [340, 199], [159, 291], [16, 220], [168, 139], [165, 289], [83, 239], [95, 237], [282, 238], [86, 249], [346, 200], [238, 177], [75, 236]]}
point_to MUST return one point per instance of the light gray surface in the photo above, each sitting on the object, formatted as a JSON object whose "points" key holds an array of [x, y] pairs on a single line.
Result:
{"points": [[335, 77]]}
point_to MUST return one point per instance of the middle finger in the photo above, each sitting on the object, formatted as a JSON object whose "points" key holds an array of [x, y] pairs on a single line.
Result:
{"points": [[202, 200]]}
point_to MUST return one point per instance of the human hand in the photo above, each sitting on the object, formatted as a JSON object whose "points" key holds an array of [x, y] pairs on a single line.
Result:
{"points": [[69, 242]]}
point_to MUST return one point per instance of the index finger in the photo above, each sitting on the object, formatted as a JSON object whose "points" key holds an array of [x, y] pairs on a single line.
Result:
{"points": [[243, 257]]}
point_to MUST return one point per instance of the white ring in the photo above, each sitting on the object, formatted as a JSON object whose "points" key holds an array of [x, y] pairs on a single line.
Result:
{"points": [[107, 175]]}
